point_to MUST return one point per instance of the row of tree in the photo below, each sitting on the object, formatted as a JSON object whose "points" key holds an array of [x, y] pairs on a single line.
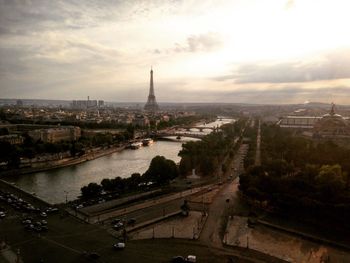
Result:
{"points": [[300, 177], [160, 172], [206, 155]]}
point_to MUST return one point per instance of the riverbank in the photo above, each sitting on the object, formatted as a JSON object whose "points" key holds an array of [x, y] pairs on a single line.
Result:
{"points": [[46, 166]]}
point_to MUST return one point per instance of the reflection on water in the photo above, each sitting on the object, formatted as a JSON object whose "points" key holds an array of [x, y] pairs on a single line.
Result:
{"points": [[53, 185]]}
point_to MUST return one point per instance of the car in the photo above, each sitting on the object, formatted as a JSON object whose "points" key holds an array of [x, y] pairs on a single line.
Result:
{"points": [[54, 210], [43, 222], [119, 245], [2, 214], [51, 210], [118, 226], [43, 214], [79, 206], [44, 228], [26, 222], [48, 210], [100, 201], [191, 258], [29, 227], [115, 221]]}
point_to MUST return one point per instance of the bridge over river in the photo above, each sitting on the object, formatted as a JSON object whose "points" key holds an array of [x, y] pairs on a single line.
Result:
{"points": [[180, 134]]}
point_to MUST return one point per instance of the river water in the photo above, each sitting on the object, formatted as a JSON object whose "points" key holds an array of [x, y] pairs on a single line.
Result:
{"points": [[54, 185]]}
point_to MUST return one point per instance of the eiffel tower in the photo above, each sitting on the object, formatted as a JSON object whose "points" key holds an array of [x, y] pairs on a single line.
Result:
{"points": [[151, 104]]}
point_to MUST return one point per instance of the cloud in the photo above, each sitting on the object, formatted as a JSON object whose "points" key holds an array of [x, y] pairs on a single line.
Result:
{"points": [[330, 66], [200, 43], [290, 4], [290, 94], [42, 15]]}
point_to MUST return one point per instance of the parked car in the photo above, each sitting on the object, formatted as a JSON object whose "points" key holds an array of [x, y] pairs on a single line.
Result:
{"points": [[115, 221], [29, 227], [79, 206], [191, 258], [118, 226], [26, 222], [119, 245], [43, 214], [2, 214]]}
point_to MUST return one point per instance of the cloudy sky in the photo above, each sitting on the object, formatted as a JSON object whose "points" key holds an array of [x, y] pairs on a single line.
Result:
{"points": [[271, 51]]}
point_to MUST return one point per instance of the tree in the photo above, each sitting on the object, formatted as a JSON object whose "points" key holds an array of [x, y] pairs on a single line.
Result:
{"points": [[134, 181], [161, 170], [331, 181], [92, 190], [107, 184], [331, 174]]}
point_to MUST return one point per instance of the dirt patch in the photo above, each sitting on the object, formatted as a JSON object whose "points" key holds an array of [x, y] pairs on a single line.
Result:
{"points": [[206, 198], [278, 244], [177, 227]]}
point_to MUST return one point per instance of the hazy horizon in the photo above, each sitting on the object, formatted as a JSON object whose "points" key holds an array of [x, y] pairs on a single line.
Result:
{"points": [[258, 52]]}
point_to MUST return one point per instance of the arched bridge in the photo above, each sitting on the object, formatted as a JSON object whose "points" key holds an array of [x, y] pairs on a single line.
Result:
{"points": [[180, 134], [200, 128]]}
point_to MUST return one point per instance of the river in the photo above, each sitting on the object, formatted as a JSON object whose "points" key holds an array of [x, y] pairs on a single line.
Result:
{"points": [[54, 185]]}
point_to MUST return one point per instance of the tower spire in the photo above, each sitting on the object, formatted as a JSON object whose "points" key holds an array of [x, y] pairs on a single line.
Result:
{"points": [[151, 104]]}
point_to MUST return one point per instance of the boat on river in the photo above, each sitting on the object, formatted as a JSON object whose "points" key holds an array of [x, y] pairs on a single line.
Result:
{"points": [[147, 141], [135, 145]]}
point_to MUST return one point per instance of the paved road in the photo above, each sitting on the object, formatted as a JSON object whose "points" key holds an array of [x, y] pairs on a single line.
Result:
{"points": [[157, 204], [258, 151], [153, 212], [210, 233]]}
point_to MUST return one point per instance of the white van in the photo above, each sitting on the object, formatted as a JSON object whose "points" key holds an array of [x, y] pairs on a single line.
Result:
{"points": [[191, 258]]}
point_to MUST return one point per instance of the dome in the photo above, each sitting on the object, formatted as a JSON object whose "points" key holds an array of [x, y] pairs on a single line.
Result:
{"points": [[332, 124]]}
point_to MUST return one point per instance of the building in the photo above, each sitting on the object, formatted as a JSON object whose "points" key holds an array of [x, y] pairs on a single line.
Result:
{"points": [[332, 125], [87, 104], [101, 103], [151, 104], [141, 121], [53, 135], [298, 122], [12, 139]]}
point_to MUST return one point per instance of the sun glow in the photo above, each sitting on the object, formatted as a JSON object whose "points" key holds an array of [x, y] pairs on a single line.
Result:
{"points": [[268, 30]]}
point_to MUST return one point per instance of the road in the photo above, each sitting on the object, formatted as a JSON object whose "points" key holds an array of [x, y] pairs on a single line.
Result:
{"points": [[227, 195], [150, 213], [166, 202], [258, 151]]}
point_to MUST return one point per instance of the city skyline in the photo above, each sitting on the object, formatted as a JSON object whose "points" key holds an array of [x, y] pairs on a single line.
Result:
{"points": [[207, 51]]}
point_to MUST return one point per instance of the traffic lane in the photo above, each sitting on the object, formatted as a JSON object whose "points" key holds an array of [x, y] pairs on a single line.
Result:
{"points": [[153, 212], [149, 203]]}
